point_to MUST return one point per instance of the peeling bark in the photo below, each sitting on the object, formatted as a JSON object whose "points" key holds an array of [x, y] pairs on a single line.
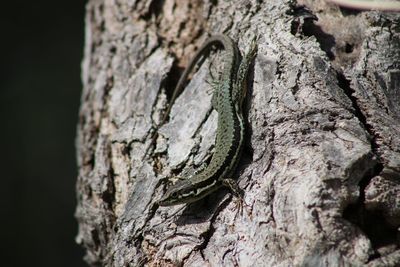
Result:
{"points": [[321, 166]]}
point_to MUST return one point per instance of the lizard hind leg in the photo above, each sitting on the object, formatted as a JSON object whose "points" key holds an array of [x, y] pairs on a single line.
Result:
{"points": [[214, 83], [212, 80], [214, 100], [241, 77], [214, 90]]}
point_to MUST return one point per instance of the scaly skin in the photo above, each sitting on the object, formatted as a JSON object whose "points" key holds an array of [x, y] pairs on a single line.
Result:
{"points": [[228, 96]]}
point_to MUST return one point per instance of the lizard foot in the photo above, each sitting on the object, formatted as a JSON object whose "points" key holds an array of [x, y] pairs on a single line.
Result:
{"points": [[238, 193]]}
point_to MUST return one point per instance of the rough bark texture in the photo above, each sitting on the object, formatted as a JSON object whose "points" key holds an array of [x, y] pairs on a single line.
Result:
{"points": [[321, 166]]}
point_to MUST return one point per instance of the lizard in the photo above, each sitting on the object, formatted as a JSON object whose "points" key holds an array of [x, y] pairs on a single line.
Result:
{"points": [[228, 96]]}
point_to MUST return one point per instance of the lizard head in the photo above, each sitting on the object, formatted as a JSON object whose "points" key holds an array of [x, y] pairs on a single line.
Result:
{"points": [[179, 193], [184, 192]]}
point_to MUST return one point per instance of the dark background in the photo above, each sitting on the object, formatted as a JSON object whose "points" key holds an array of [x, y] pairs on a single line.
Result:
{"points": [[41, 51]]}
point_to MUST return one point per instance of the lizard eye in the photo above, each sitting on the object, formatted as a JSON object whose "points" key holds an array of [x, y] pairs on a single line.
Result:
{"points": [[174, 194]]}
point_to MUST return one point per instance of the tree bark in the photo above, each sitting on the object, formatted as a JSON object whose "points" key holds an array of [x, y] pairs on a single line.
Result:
{"points": [[321, 163]]}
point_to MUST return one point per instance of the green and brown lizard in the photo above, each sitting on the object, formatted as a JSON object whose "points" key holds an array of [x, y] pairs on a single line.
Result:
{"points": [[228, 95]]}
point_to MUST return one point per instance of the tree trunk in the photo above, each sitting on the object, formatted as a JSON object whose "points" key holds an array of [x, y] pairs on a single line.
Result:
{"points": [[321, 164]]}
